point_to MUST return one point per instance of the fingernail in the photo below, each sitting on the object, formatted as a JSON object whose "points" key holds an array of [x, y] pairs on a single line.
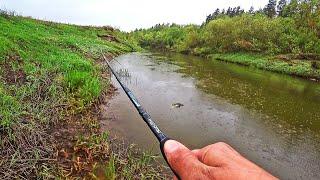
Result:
{"points": [[171, 146]]}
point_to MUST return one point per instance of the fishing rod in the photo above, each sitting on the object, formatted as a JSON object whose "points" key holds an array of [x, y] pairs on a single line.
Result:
{"points": [[161, 137]]}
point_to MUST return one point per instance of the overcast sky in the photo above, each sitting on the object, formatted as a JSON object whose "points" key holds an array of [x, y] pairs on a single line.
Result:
{"points": [[124, 14]]}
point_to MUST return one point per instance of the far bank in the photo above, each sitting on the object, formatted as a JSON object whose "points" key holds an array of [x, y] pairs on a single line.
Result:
{"points": [[284, 43]]}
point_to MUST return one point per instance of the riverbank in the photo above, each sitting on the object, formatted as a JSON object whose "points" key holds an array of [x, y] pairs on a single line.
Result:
{"points": [[287, 44], [290, 64], [52, 82], [284, 64]]}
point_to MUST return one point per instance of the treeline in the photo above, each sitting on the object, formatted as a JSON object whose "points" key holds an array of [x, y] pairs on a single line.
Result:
{"points": [[280, 28], [271, 10]]}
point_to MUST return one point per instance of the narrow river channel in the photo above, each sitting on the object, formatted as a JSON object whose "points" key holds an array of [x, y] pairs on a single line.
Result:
{"points": [[272, 119]]}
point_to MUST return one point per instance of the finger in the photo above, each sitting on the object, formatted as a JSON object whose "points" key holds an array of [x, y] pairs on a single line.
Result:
{"points": [[183, 161], [196, 153], [216, 155], [175, 178]]}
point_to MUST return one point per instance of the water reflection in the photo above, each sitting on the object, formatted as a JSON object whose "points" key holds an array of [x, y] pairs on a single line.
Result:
{"points": [[290, 101]]}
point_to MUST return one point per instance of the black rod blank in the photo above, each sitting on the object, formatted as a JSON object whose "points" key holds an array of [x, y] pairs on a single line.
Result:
{"points": [[162, 138], [145, 116]]}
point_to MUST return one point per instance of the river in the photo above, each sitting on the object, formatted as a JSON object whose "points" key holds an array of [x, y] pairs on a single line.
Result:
{"points": [[271, 119]]}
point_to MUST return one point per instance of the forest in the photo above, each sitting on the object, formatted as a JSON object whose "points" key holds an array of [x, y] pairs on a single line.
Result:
{"points": [[282, 30]]}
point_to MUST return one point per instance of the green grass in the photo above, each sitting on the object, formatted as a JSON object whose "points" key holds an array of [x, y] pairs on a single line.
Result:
{"points": [[48, 72], [301, 68], [62, 53], [10, 108]]}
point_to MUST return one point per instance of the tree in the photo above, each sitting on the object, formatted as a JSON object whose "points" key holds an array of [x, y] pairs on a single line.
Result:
{"points": [[251, 10], [223, 12], [216, 13], [281, 6], [290, 9], [270, 9], [229, 11], [234, 12], [209, 18], [213, 16]]}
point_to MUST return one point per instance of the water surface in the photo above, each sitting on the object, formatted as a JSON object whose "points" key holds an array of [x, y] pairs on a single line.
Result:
{"points": [[272, 119]]}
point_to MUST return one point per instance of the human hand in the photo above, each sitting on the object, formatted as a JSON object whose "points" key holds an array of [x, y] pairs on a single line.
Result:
{"points": [[216, 161]]}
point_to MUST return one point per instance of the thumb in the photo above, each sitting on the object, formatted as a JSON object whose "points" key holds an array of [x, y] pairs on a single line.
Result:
{"points": [[182, 160]]}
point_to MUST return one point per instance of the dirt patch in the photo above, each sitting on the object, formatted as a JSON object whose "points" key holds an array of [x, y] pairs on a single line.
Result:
{"points": [[108, 37], [75, 156], [108, 28], [300, 56], [13, 75], [283, 57], [307, 56]]}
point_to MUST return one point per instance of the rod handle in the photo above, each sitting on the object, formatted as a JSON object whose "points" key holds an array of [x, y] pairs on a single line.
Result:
{"points": [[162, 142]]}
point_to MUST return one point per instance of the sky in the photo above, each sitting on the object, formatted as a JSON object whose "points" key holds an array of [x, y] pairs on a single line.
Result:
{"points": [[126, 15]]}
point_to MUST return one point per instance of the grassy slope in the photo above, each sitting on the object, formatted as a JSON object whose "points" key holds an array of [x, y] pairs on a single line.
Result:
{"points": [[46, 51], [51, 72], [301, 68]]}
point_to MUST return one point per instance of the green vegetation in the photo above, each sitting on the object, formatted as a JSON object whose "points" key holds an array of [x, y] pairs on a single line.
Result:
{"points": [[286, 35], [294, 67], [51, 79], [58, 58]]}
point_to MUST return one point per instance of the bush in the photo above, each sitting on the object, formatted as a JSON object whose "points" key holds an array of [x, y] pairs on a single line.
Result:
{"points": [[243, 33]]}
